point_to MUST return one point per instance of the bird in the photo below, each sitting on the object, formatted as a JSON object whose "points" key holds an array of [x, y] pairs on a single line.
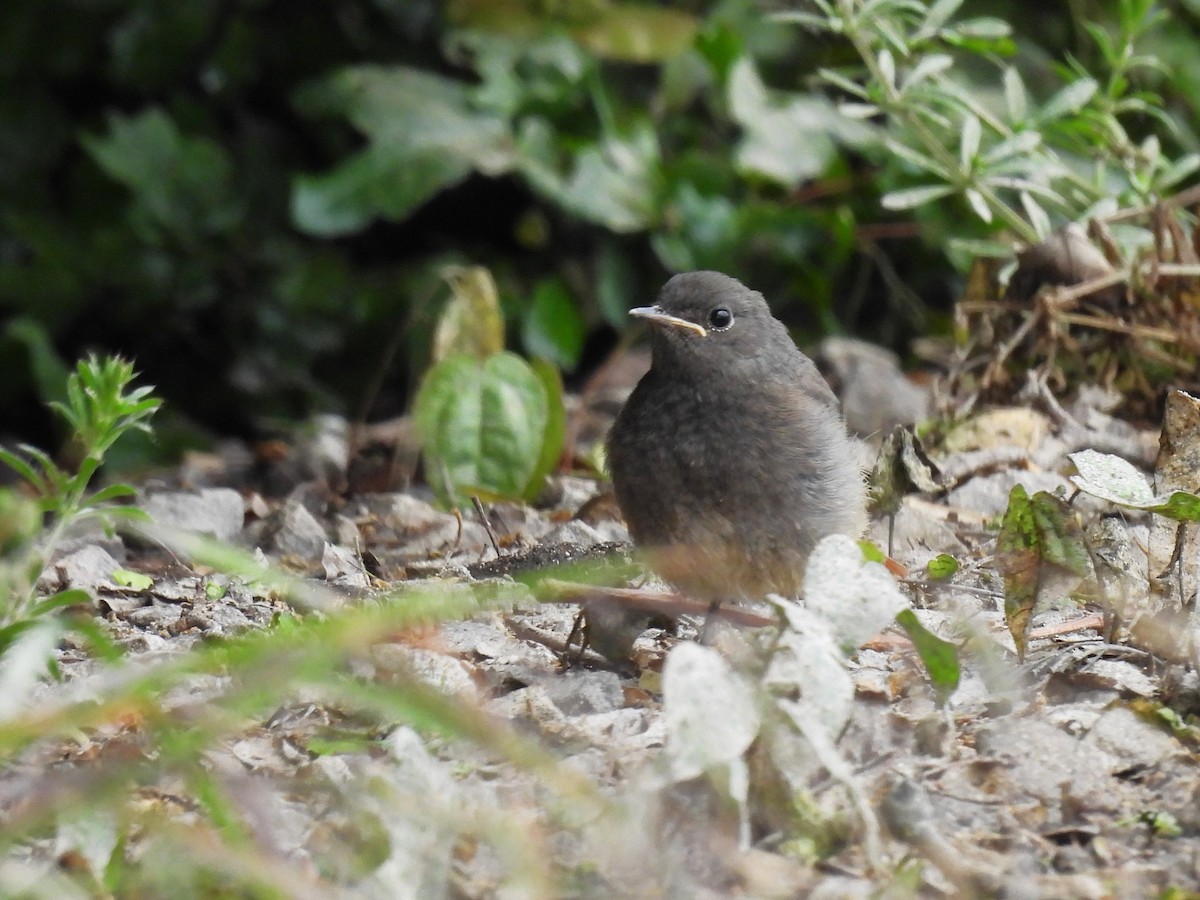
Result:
{"points": [[730, 460]]}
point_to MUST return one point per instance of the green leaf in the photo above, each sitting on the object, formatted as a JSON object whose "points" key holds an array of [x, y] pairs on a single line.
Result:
{"points": [[926, 67], [637, 33], [942, 566], [27, 472], [61, 600], [45, 365], [615, 280], [1179, 170], [807, 20], [871, 552], [1060, 537], [984, 28], [988, 249], [917, 158], [126, 513], [939, 657], [887, 67], [95, 632], [859, 110], [1015, 96], [135, 580], [1118, 481], [182, 185], [482, 425], [423, 133], [552, 327], [1020, 144], [1036, 533], [112, 492], [1069, 100], [611, 184], [843, 83], [908, 198], [978, 204], [471, 323], [378, 182], [788, 138], [969, 144], [1180, 506], [555, 435], [1017, 560], [939, 14], [1036, 215]]}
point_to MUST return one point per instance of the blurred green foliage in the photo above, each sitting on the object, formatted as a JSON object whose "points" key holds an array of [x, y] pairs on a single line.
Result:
{"points": [[491, 424], [255, 199]]}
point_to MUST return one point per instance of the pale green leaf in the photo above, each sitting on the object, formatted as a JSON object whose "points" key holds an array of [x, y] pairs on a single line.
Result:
{"points": [[1069, 100], [887, 67], [1037, 216], [918, 159], [424, 135], [858, 110], [968, 147], [978, 204], [841, 82], [1021, 143], [926, 68], [939, 14], [909, 198], [984, 27], [471, 323], [1015, 96], [134, 580], [1181, 169]]}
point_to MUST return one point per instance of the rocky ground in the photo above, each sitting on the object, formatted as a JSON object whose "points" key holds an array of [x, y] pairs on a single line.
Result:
{"points": [[765, 763]]}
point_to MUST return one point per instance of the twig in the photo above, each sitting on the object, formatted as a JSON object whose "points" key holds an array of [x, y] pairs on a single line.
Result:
{"points": [[487, 525], [665, 602]]}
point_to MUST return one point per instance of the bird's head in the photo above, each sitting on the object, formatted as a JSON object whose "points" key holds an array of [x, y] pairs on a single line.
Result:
{"points": [[710, 319]]}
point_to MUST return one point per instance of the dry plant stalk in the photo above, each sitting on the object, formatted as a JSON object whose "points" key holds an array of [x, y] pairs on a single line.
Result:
{"points": [[1076, 312]]}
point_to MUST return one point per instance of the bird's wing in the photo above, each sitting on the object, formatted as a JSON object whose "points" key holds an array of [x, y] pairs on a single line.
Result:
{"points": [[807, 380]]}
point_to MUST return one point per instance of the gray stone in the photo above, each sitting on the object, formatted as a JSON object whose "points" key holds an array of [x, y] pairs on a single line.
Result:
{"points": [[299, 533], [583, 693], [218, 512], [88, 568]]}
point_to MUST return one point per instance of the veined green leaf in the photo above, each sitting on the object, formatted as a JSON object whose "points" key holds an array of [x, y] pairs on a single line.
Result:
{"points": [[482, 425]]}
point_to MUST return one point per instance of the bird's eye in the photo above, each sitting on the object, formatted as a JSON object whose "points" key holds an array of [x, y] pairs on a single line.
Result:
{"points": [[720, 318]]}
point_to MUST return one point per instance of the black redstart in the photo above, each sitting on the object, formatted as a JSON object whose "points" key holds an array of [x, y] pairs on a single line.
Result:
{"points": [[730, 459]]}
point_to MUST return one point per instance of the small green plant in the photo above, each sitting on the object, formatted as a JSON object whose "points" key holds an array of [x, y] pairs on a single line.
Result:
{"points": [[1013, 160], [491, 424], [101, 406]]}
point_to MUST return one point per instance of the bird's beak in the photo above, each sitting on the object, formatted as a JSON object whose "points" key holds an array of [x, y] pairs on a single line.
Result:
{"points": [[658, 317]]}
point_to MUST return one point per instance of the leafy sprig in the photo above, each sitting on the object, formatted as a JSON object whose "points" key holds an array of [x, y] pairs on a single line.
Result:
{"points": [[100, 408], [1020, 164]]}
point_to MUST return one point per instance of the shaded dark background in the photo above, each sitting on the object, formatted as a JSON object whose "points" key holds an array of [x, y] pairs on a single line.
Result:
{"points": [[152, 154]]}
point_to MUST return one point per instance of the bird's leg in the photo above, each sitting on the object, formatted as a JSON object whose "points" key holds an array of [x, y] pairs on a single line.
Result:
{"points": [[579, 629], [710, 616]]}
